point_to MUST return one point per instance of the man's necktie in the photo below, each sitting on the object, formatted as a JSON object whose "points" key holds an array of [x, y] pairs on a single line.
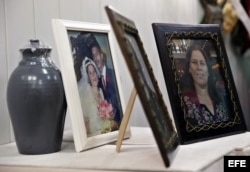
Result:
{"points": [[104, 82]]}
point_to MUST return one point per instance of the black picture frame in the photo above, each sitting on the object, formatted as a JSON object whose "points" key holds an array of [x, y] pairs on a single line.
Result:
{"points": [[173, 42], [145, 83]]}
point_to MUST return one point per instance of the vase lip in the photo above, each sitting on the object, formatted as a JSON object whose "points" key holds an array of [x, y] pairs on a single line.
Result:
{"points": [[35, 44]]}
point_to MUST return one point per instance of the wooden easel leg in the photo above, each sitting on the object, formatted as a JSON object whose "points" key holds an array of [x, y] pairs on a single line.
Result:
{"points": [[125, 119]]}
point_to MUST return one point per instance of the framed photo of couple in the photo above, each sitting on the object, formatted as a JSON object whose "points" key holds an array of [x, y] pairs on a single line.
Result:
{"points": [[91, 82], [199, 81]]}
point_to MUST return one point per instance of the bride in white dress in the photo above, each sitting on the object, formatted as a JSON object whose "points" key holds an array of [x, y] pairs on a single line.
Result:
{"points": [[91, 95]]}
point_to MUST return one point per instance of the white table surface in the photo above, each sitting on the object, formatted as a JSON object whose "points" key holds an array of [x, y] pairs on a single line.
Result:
{"points": [[139, 153]]}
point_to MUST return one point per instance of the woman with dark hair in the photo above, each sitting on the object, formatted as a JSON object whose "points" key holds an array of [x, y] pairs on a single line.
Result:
{"points": [[203, 102], [92, 98], [90, 95]]}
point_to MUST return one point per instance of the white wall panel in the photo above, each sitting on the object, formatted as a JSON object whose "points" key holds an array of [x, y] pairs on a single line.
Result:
{"points": [[4, 116], [45, 11], [91, 11], [71, 10], [19, 28]]}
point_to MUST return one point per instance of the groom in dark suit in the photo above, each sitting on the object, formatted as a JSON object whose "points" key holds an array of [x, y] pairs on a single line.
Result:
{"points": [[108, 83]]}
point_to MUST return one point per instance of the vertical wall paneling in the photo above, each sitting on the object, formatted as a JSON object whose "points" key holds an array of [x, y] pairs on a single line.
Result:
{"points": [[4, 116], [19, 29], [91, 11], [45, 11], [71, 10]]}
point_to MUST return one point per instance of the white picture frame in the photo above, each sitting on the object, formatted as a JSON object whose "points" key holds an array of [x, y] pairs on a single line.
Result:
{"points": [[71, 58]]}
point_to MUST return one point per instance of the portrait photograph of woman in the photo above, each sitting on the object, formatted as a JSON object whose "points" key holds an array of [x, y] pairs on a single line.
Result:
{"points": [[201, 82]]}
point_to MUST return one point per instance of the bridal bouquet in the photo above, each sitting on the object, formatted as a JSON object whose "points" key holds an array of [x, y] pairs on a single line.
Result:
{"points": [[105, 110]]}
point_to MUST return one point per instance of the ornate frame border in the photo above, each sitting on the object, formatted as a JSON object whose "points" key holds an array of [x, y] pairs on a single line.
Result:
{"points": [[145, 83], [188, 133]]}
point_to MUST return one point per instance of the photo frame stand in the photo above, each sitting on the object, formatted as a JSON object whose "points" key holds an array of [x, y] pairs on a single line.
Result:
{"points": [[125, 119]]}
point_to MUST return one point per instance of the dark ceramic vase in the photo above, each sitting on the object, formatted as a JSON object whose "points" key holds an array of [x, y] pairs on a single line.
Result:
{"points": [[36, 101]]}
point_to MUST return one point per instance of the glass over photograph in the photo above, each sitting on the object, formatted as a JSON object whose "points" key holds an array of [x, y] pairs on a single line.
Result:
{"points": [[199, 80], [202, 85], [96, 82]]}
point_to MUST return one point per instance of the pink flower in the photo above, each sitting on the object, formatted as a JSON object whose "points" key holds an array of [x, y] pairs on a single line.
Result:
{"points": [[105, 109]]}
